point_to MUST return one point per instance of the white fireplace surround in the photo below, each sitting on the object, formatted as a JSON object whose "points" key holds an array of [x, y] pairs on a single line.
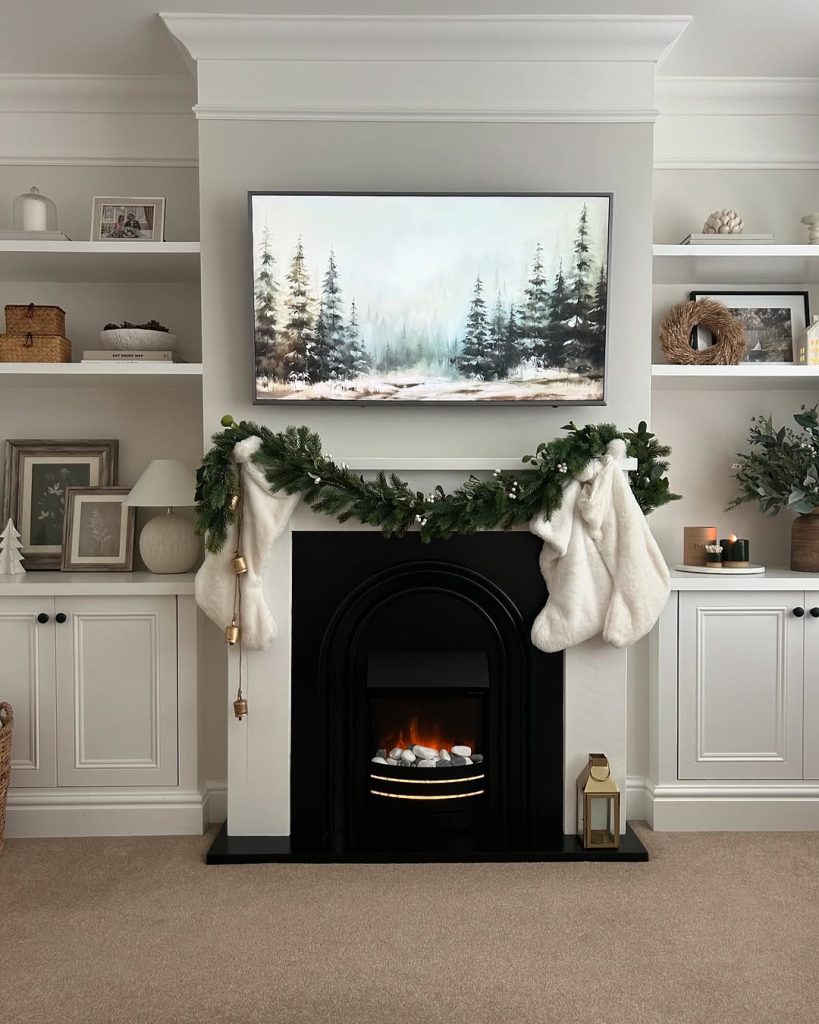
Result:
{"points": [[577, 93]]}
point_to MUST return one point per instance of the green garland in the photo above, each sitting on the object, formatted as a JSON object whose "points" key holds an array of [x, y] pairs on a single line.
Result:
{"points": [[292, 461]]}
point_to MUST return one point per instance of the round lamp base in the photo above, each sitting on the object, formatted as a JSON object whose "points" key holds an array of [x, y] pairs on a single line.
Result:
{"points": [[169, 544]]}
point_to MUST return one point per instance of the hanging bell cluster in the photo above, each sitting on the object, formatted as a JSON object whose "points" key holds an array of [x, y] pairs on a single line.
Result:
{"points": [[232, 633], [239, 563], [240, 707], [233, 502]]}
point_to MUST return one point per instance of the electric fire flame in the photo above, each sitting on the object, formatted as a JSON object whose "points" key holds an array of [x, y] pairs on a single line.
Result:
{"points": [[425, 736]]}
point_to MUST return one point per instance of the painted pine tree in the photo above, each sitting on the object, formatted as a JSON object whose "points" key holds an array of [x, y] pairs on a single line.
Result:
{"points": [[596, 353], [330, 339], [475, 359], [510, 349], [298, 333], [578, 343], [11, 561], [560, 315], [355, 359], [534, 315], [266, 295]]}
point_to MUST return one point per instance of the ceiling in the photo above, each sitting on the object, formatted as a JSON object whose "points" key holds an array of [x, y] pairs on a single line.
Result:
{"points": [[753, 38]]}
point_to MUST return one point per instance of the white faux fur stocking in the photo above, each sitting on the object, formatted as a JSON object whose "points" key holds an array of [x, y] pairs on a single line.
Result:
{"points": [[265, 517]]}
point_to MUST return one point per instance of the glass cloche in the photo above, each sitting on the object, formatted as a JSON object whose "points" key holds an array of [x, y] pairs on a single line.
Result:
{"points": [[34, 212]]}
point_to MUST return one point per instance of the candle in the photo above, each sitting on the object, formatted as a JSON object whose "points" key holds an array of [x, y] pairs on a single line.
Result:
{"points": [[728, 547], [737, 553], [35, 214]]}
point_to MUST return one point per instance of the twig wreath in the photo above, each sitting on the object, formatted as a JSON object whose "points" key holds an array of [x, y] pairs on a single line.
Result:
{"points": [[292, 461], [729, 334]]}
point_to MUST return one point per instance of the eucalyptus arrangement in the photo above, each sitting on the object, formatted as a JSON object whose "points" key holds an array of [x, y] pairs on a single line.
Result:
{"points": [[782, 472], [781, 469]]}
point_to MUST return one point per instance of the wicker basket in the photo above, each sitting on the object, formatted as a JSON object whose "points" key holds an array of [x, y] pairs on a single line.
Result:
{"points": [[34, 348], [33, 319], [6, 723]]}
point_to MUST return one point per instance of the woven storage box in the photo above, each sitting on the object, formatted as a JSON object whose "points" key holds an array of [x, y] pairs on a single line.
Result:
{"points": [[6, 722], [34, 348], [33, 319]]}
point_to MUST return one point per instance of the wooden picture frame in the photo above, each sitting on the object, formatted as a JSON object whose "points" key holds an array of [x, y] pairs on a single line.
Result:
{"points": [[98, 530], [36, 475]]}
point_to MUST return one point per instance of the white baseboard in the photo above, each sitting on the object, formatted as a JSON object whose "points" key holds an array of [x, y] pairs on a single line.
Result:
{"points": [[215, 801], [45, 813], [727, 807]]}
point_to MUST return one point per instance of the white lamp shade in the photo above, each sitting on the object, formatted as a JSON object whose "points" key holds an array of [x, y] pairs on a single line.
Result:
{"points": [[166, 483]]}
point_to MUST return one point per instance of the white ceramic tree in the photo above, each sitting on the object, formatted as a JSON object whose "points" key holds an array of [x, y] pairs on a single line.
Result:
{"points": [[11, 561]]}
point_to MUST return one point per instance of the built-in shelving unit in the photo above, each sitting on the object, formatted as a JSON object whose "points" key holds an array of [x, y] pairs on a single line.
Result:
{"points": [[749, 376], [99, 374], [735, 264], [132, 262]]}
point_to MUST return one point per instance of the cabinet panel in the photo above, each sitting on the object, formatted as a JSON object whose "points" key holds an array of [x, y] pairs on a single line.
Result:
{"points": [[117, 692], [27, 677], [811, 716], [740, 686]]}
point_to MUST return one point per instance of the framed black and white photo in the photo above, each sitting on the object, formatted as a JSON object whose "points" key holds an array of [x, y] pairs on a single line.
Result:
{"points": [[128, 219], [98, 534], [37, 475], [433, 298], [773, 321]]}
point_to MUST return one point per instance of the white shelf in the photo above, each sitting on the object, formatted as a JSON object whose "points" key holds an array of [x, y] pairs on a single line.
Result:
{"points": [[99, 584], [694, 265], [99, 374], [745, 376], [773, 579], [133, 262]]}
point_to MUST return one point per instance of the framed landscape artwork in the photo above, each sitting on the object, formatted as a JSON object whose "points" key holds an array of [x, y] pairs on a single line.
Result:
{"points": [[774, 322], [37, 475], [374, 298]]}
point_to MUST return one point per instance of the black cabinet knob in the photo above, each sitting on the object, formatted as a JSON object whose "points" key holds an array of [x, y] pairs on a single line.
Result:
{"points": [[42, 618], [815, 612], [799, 612], [61, 617]]}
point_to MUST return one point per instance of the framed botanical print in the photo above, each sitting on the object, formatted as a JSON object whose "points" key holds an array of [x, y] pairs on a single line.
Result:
{"points": [[434, 298], [98, 535], [36, 476]]}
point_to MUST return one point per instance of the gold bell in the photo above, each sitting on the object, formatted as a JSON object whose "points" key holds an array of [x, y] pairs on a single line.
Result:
{"points": [[240, 708], [232, 633], [239, 563], [233, 503]]}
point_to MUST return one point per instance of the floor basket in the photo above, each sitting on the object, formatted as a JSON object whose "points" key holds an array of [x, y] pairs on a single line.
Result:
{"points": [[6, 723]]}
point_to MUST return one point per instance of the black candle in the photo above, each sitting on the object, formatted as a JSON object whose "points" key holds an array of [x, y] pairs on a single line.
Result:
{"points": [[728, 548], [742, 551]]}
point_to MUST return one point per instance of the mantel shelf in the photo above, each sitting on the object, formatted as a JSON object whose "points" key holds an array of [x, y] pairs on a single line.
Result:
{"points": [[438, 465], [101, 374], [94, 262], [98, 584], [735, 264], [745, 376]]}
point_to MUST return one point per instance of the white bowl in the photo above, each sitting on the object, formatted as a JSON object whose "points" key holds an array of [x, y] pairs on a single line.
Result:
{"points": [[127, 339]]}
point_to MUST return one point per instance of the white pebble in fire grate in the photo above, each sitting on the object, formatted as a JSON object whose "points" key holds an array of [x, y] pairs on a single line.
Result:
{"points": [[419, 756]]}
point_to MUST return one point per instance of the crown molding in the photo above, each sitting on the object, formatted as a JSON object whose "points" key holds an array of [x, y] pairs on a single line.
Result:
{"points": [[216, 112], [450, 38], [751, 97]]}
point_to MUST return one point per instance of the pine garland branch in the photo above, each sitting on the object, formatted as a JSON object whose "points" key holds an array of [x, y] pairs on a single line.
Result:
{"points": [[293, 461]]}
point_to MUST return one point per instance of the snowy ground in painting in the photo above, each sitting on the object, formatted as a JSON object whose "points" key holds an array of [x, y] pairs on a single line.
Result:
{"points": [[556, 386]]}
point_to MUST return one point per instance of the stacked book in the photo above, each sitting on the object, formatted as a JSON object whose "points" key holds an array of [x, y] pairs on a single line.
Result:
{"points": [[130, 356], [740, 239]]}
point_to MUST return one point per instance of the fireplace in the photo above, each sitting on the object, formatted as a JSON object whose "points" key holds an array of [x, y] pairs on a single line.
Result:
{"points": [[423, 720]]}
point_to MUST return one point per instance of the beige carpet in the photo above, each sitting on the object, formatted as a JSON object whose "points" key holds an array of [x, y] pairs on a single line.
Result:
{"points": [[717, 928]]}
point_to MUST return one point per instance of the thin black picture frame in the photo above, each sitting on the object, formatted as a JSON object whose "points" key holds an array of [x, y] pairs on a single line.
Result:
{"points": [[433, 403], [791, 293]]}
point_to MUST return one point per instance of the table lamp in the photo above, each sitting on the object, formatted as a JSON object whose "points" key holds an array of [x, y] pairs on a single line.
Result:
{"points": [[168, 543]]}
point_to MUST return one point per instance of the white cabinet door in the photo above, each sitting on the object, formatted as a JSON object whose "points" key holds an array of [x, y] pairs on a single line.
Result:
{"points": [[740, 685], [811, 728], [27, 673], [116, 691]]}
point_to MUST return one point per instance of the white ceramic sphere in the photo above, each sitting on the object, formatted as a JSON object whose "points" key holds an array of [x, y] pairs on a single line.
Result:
{"points": [[130, 339], [169, 544]]}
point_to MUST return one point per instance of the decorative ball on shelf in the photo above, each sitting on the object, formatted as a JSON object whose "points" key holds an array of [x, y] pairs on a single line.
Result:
{"points": [[729, 335], [723, 222]]}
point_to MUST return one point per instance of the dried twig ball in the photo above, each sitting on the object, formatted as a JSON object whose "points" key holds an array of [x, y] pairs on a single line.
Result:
{"points": [[729, 334], [723, 222]]}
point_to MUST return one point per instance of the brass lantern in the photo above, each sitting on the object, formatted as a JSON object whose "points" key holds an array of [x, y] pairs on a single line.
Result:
{"points": [[598, 805]]}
